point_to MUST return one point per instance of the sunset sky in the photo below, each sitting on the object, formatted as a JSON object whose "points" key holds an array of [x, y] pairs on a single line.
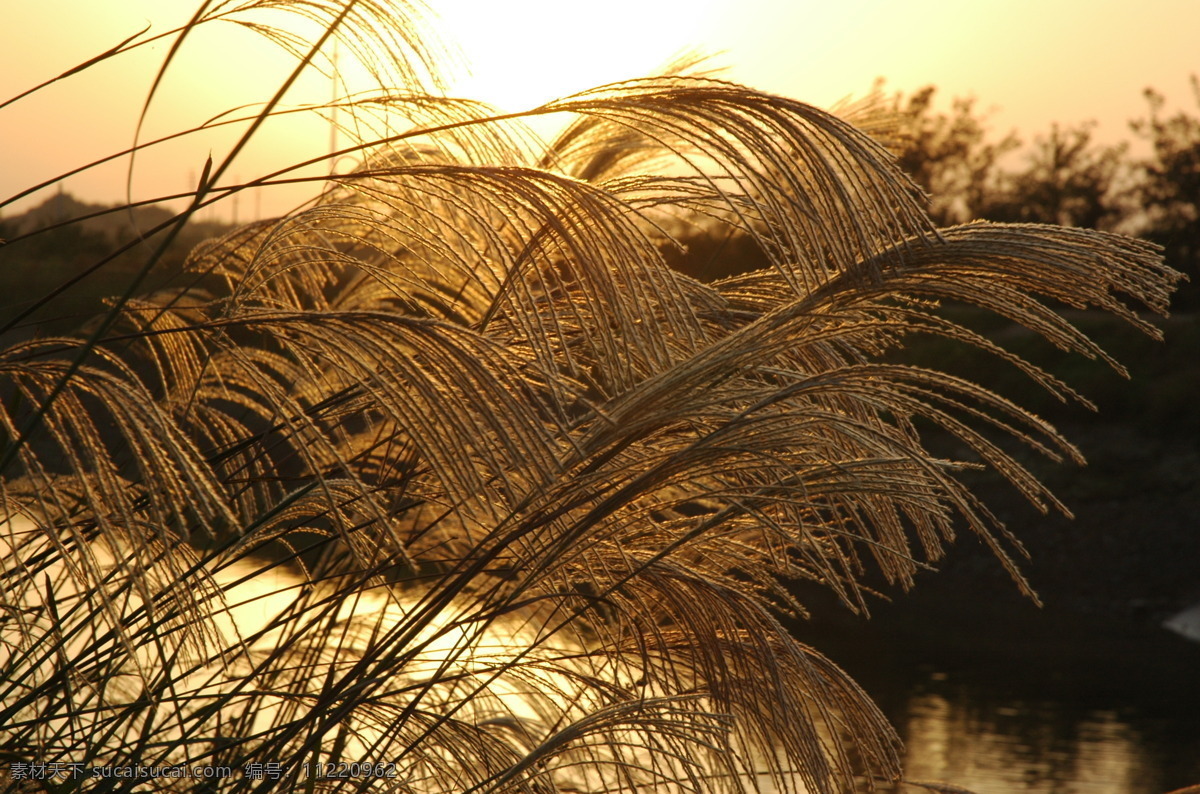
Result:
{"points": [[1028, 64]]}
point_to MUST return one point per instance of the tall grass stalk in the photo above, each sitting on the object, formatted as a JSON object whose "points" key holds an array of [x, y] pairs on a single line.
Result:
{"points": [[448, 473]]}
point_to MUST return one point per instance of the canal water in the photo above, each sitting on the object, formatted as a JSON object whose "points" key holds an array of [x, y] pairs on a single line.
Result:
{"points": [[992, 743], [1000, 697]]}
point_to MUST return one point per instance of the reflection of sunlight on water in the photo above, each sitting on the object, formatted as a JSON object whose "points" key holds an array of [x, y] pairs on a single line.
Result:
{"points": [[499, 672], [1023, 746]]}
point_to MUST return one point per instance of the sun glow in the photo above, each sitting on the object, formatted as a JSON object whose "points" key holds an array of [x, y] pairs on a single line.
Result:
{"points": [[522, 54], [514, 56]]}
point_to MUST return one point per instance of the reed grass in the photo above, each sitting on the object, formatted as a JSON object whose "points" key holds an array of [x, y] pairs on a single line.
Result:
{"points": [[448, 473]]}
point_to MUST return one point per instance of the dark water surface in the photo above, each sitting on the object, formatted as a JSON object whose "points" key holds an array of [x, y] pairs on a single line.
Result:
{"points": [[997, 696], [992, 743]]}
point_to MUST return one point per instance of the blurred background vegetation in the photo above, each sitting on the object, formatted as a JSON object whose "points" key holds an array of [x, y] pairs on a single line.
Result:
{"points": [[1148, 186], [45, 254]]}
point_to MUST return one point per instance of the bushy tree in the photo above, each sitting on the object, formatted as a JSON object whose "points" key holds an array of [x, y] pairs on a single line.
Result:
{"points": [[949, 155], [1063, 178], [1169, 188], [1067, 180], [449, 474]]}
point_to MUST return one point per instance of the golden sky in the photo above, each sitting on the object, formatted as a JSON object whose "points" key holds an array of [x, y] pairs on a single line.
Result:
{"points": [[1028, 62]]}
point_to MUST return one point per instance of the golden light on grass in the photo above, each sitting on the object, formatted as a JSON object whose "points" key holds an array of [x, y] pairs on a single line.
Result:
{"points": [[541, 496]]}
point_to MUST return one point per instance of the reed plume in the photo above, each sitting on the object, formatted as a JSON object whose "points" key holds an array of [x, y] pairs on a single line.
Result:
{"points": [[447, 477]]}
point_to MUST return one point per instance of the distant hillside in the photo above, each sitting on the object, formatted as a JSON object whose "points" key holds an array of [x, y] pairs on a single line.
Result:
{"points": [[41, 255], [117, 223]]}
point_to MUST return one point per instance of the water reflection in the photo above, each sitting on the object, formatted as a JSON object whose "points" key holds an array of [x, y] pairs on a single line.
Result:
{"points": [[997, 746]]}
